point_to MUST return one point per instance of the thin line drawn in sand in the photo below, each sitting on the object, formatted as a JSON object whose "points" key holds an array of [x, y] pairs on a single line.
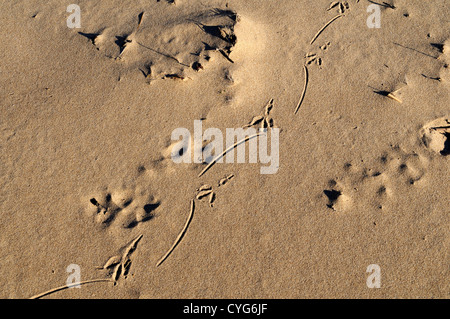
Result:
{"points": [[48, 292], [415, 50], [324, 27], [180, 236], [305, 68], [226, 151], [163, 54], [438, 128], [432, 78], [227, 56], [384, 4]]}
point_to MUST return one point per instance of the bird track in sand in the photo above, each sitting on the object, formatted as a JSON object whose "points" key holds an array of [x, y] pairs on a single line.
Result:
{"points": [[122, 265]]}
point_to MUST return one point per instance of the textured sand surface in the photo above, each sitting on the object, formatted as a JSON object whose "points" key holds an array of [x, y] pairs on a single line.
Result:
{"points": [[86, 117]]}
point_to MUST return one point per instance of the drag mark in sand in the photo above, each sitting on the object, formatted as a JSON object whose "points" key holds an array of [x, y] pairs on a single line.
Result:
{"points": [[324, 27], [180, 236], [69, 286], [305, 68], [226, 151]]}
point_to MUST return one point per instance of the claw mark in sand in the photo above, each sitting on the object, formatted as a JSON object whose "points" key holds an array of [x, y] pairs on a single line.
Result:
{"points": [[180, 236], [304, 90], [325, 26]]}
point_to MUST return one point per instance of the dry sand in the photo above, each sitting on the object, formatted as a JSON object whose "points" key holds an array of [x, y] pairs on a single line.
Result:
{"points": [[85, 140]]}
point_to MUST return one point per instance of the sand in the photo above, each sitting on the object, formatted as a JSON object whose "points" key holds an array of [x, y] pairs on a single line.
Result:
{"points": [[87, 178]]}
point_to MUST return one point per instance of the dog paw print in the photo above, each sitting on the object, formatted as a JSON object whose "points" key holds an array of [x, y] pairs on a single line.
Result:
{"points": [[375, 183], [335, 196], [406, 167], [123, 208]]}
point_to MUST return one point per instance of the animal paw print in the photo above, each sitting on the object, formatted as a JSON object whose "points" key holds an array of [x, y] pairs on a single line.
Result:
{"points": [[123, 208], [374, 185], [406, 167], [337, 199], [436, 136]]}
